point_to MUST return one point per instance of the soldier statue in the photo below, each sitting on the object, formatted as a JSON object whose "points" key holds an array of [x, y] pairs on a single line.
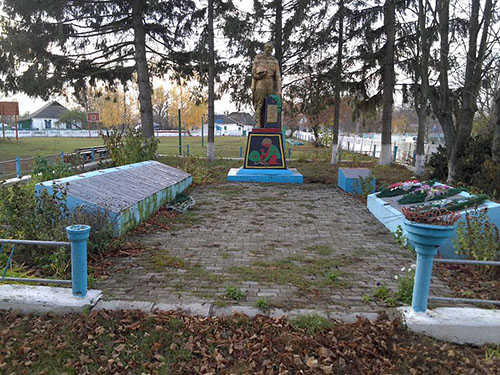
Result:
{"points": [[266, 80]]}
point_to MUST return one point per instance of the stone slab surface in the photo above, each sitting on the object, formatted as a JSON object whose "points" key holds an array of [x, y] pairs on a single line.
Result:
{"points": [[43, 299], [240, 226], [463, 325], [129, 184]]}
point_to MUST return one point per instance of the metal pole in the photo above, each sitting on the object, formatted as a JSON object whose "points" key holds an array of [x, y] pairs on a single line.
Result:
{"points": [[78, 235], [3, 126], [18, 167], [374, 150], [17, 135], [202, 139], [180, 125], [425, 257], [395, 153], [187, 150], [241, 151], [92, 154], [62, 156]]}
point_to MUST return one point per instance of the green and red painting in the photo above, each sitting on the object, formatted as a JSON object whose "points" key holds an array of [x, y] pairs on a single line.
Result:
{"points": [[265, 150]]}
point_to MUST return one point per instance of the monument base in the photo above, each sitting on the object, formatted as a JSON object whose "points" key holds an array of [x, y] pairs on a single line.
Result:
{"points": [[291, 176]]}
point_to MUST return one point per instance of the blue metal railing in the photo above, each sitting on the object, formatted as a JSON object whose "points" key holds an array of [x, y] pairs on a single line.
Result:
{"points": [[78, 236]]}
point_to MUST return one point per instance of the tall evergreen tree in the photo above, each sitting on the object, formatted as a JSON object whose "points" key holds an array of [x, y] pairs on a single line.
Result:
{"points": [[50, 45]]}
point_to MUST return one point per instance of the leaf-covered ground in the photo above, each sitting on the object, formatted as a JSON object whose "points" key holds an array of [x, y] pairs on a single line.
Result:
{"points": [[171, 343]]}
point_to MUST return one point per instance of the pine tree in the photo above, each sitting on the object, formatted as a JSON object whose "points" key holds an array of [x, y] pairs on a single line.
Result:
{"points": [[77, 43]]}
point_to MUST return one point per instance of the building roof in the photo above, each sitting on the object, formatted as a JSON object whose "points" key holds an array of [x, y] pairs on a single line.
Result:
{"points": [[223, 119], [243, 118], [50, 110]]}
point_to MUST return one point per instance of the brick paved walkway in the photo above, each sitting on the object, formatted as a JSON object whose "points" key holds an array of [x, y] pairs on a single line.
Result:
{"points": [[293, 246]]}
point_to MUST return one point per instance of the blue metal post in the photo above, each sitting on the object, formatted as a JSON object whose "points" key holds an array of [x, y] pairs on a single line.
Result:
{"points": [[78, 235], [374, 150], [414, 157], [289, 153], [241, 151], [425, 256], [92, 154], [62, 156], [395, 153], [187, 150], [18, 167]]}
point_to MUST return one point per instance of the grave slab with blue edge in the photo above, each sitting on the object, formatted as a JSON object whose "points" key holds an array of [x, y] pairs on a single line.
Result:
{"points": [[348, 179], [127, 195], [388, 212]]}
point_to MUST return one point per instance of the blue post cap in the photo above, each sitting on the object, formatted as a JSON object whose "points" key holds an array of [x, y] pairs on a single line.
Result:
{"points": [[78, 232]]}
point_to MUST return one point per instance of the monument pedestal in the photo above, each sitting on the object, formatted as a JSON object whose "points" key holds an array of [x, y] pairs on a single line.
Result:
{"points": [[265, 153], [265, 175]]}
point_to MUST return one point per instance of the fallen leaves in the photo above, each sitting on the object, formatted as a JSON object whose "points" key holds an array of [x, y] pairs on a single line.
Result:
{"points": [[134, 343]]}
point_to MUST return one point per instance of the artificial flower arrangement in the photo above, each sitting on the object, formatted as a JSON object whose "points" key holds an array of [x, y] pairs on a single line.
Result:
{"points": [[399, 188], [433, 216], [426, 192]]}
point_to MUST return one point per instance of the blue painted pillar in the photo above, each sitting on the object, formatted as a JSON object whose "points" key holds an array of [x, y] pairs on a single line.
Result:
{"points": [[18, 167], [78, 235], [374, 150], [395, 153], [425, 257], [187, 150], [414, 157], [62, 156], [241, 151], [92, 154]]}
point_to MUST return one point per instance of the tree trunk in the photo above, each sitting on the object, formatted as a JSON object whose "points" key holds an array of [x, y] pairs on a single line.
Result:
{"points": [[338, 85], [141, 64], [472, 82], [389, 78], [422, 124], [278, 33], [211, 83], [495, 146]]}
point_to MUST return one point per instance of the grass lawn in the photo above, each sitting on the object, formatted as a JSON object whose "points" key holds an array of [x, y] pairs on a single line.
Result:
{"points": [[28, 147], [170, 343]]}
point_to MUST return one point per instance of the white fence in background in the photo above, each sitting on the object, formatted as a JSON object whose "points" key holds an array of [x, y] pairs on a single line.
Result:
{"points": [[76, 133], [403, 151]]}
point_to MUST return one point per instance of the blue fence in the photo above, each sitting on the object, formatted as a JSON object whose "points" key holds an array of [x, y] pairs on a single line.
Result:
{"points": [[77, 236]]}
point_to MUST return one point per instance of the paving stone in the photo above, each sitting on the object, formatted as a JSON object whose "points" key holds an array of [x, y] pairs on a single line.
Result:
{"points": [[244, 225]]}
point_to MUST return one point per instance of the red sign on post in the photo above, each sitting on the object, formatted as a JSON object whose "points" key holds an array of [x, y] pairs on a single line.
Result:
{"points": [[93, 117], [9, 108]]}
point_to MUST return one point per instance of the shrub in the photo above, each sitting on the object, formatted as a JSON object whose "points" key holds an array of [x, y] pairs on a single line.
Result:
{"points": [[45, 170], [130, 146], [477, 237], [45, 217], [474, 168]]}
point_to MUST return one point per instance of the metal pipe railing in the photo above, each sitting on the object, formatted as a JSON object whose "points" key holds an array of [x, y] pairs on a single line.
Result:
{"points": [[78, 236]]}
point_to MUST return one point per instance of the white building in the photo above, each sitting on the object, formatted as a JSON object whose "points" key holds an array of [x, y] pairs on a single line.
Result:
{"points": [[46, 117]]}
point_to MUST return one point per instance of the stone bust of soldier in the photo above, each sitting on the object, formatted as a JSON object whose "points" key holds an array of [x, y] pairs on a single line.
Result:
{"points": [[266, 80]]}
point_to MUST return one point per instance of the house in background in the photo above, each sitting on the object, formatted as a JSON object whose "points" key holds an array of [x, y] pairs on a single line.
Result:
{"points": [[235, 124], [45, 118]]}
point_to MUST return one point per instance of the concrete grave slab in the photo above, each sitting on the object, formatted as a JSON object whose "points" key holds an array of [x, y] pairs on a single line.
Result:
{"points": [[127, 195]]}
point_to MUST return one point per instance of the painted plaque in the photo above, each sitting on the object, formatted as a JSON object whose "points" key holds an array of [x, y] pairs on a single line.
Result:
{"points": [[272, 114], [265, 150]]}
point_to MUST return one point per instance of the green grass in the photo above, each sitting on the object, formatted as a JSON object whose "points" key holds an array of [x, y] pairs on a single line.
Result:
{"points": [[298, 271], [29, 147], [311, 324]]}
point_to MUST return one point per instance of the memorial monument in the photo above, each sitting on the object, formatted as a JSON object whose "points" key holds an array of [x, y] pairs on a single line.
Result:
{"points": [[265, 155]]}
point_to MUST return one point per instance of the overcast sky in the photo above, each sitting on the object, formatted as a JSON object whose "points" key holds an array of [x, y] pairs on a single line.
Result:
{"points": [[30, 104]]}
